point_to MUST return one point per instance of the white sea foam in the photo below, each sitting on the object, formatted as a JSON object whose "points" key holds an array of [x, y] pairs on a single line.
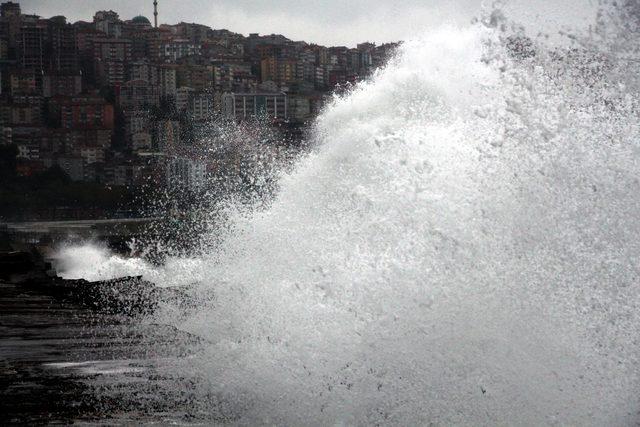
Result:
{"points": [[93, 261]]}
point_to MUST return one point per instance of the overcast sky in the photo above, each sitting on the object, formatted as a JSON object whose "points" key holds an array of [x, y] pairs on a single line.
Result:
{"points": [[329, 22]]}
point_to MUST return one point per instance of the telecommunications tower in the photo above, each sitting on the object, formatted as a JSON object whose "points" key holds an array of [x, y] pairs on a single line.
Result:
{"points": [[155, 13]]}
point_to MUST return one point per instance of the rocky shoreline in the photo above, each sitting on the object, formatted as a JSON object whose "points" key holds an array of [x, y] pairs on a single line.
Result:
{"points": [[78, 351], [127, 296]]}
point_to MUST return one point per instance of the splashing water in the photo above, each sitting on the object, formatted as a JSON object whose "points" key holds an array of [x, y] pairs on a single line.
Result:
{"points": [[461, 248]]}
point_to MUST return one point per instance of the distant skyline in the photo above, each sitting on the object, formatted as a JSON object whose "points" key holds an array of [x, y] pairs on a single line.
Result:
{"points": [[328, 22]]}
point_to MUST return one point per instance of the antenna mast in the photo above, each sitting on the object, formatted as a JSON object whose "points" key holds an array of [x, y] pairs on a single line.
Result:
{"points": [[155, 13]]}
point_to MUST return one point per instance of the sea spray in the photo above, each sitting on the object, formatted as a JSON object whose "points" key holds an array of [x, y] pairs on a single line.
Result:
{"points": [[460, 247]]}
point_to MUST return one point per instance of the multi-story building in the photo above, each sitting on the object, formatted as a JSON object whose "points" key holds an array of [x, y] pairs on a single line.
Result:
{"points": [[109, 23], [282, 71], [81, 112], [11, 20], [62, 51], [111, 57], [198, 77], [306, 66], [137, 129], [366, 52], [27, 135], [185, 172], [90, 138], [4, 49], [299, 108], [142, 69], [167, 80], [233, 77], [92, 155], [61, 85], [136, 121], [26, 111], [85, 37], [245, 106], [10, 9], [136, 30], [320, 80], [23, 82], [167, 135], [32, 44], [255, 40], [224, 48], [111, 49], [155, 39], [110, 73], [57, 141], [137, 95], [193, 32], [201, 106], [174, 49], [183, 94]]}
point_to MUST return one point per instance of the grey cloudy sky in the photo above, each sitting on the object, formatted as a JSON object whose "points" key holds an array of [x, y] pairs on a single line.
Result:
{"points": [[330, 22]]}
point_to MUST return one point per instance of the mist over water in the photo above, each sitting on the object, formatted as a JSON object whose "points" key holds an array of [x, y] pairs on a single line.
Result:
{"points": [[461, 246]]}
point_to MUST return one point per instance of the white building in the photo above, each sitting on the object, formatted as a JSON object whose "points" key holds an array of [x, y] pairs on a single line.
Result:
{"points": [[244, 106], [179, 48], [201, 106], [167, 81], [184, 172], [108, 22]]}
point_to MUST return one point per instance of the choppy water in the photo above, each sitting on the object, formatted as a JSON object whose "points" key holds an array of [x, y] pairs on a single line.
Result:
{"points": [[461, 247]]}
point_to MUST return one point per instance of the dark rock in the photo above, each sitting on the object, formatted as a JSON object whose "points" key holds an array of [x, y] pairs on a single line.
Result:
{"points": [[20, 266], [12, 263], [128, 296]]}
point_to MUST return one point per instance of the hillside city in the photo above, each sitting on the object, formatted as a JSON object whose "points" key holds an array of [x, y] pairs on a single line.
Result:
{"points": [[116, 103]]}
